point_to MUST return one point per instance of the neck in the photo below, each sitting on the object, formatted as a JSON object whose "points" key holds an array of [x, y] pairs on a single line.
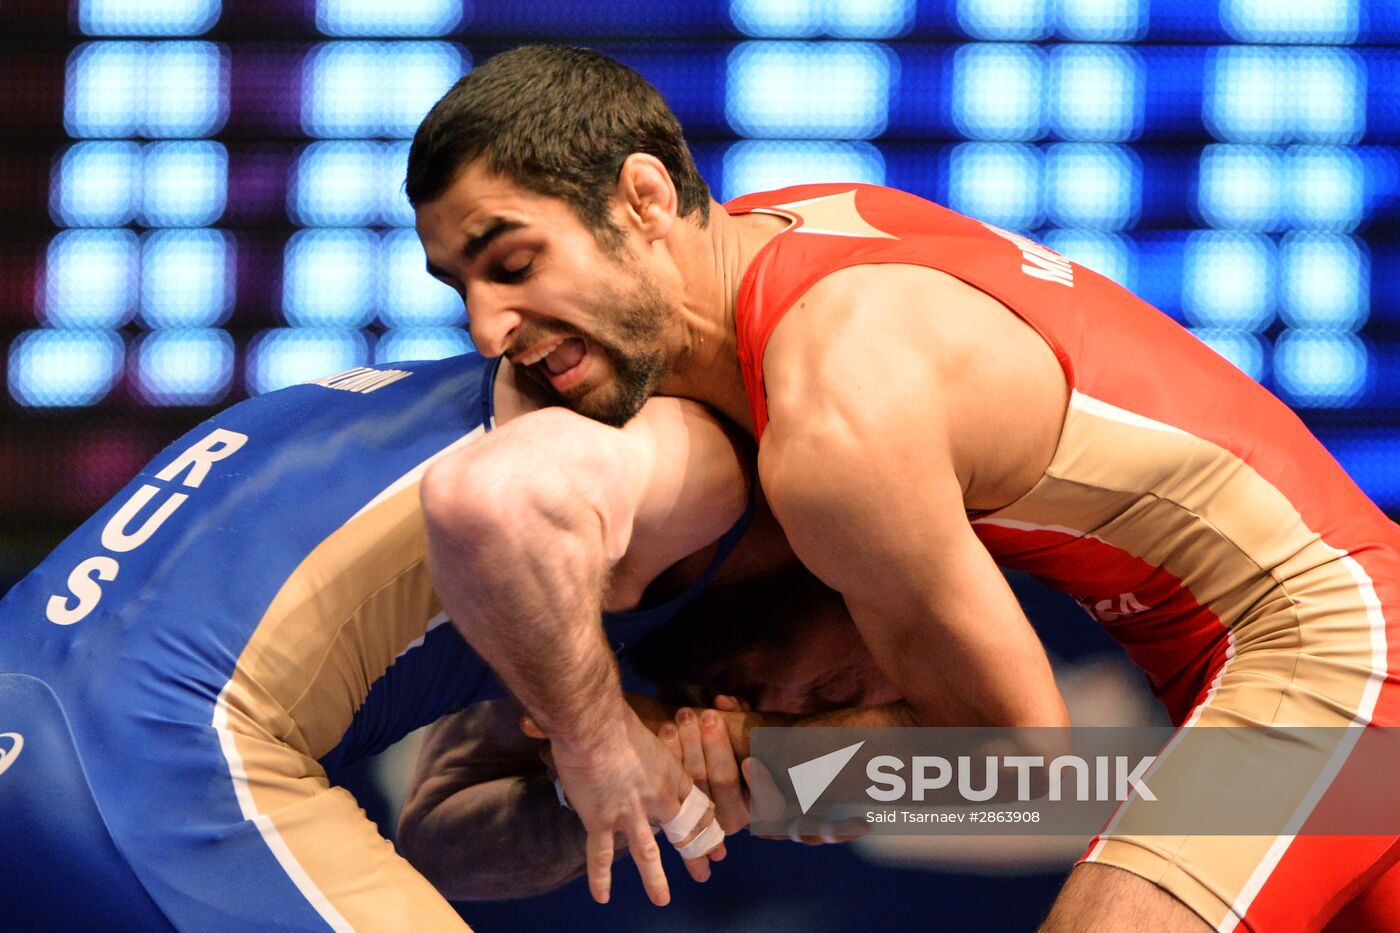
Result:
{"points": [[712, 263]]}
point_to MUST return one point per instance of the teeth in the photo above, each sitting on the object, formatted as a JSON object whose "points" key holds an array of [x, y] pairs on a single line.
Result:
{"points": [[533, 357]]}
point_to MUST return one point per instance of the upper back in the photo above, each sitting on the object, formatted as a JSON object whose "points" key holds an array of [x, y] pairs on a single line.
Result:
{"points": [[274, 554]]}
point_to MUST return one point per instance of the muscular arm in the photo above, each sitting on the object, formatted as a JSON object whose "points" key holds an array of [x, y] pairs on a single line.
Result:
{"points": [[482, 821], [866, 466], [524, 528]]}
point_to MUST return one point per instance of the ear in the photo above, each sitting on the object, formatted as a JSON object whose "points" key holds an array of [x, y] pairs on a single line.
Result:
{"points": [[647, 196]]}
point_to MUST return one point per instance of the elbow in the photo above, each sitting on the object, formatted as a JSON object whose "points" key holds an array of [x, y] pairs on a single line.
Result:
{"points": [[486, 501], [461, 500], [413, 839]]}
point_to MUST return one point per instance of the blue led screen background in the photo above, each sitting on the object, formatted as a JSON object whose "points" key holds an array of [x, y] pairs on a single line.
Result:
{"points": [[203, 202]]}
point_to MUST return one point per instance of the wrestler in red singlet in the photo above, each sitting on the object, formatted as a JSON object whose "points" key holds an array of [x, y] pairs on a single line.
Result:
{"points": [[1185, 508]]}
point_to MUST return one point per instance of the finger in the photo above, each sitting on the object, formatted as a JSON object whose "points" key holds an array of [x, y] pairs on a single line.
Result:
{"points": [[529, 727], [765, 799], [699, 868], [647, 854], [724, 701], [692, 752], [599, 854], [670, 735], [718, 853], [725, 790], [699, 864]]}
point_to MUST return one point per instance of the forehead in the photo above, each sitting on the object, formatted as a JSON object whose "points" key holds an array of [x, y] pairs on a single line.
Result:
{"points": [[478, 197]]}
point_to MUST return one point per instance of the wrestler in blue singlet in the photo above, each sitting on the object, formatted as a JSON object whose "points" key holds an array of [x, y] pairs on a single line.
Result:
{"points": [[253, 606]]}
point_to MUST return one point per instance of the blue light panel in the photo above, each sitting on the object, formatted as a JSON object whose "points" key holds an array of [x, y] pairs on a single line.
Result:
{"points": [[186, 278], [779, 19], [329, 278], [336, 184], [105, 93], [291, 355], [184, 367], [1328, 99], [1311, 21], [393, 169], [1109, 254], [1229, 281], [868, 19], [1092, 186], [1246, 98], [762, 165], [376, 18], [185, 90], [1243, 349], [1002, 20], [96, 184], [421, 343], [59, 368], [185, 184], [1242, 187], [147, 17], [1101, 20], [1257, 94], [999, 92], [90, 278], [1326, 188], [1320, 369], [1325, 281], [1096, 93], [998, 183], [802, 19], [421, 73], [412, 297], [809, 89], [358, 89]]}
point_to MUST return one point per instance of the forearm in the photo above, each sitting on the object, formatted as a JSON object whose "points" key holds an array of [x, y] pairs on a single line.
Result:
{"points": [[882, 716], [519, 550]]}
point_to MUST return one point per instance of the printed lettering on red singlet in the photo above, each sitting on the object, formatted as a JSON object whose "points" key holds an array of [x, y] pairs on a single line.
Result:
{"points": [[1041, 262]]}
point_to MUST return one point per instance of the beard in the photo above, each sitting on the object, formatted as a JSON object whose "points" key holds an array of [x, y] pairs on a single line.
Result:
{"points": [[631, 326]]}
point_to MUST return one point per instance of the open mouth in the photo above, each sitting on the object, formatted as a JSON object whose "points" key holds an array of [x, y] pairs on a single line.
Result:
{"points": [[565, 365], [565, 357]]}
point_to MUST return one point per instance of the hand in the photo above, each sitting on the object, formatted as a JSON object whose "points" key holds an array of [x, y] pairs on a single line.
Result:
{"points": [[622, 784], [700, 743]]}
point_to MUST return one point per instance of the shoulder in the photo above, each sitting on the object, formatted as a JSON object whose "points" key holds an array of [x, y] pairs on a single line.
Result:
{"points": [[868, 328]]}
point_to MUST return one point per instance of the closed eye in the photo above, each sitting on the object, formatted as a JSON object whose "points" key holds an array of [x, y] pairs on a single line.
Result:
{"points": [[510, 276]]}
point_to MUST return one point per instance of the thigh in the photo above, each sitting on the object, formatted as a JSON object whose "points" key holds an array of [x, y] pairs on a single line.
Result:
{"points": [[1291, 879], [1097, 897]]}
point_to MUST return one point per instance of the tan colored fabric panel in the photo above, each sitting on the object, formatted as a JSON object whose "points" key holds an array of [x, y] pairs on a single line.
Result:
{"points": [[304, 678], [335, 848]]}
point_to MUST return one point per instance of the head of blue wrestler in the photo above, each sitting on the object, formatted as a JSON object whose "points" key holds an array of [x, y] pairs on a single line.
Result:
{"points": [[545, 184], [782, 644]]}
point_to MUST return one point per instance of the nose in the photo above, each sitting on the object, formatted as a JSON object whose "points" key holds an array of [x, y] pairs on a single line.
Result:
{"points": [[490, 320]]}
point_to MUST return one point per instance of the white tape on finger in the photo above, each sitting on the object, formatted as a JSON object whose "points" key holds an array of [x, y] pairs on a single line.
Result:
{"points": [[692, 811], [708, 838]]}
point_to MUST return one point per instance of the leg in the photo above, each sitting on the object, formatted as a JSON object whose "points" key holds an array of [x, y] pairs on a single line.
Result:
{"points": [[1098, 897]]}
